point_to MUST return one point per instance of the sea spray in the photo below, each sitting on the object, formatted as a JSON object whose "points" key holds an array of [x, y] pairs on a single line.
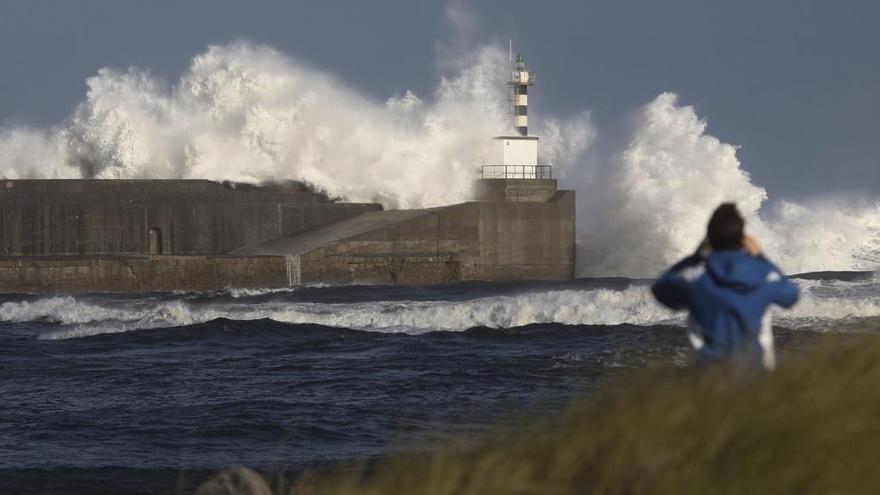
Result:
{"points": [[648, 205], [245, 112]]}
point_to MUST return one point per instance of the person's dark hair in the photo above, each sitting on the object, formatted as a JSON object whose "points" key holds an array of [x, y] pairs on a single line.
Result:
{"points": [[725, 228]]}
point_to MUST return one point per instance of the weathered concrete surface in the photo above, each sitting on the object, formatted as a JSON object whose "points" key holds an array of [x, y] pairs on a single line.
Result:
{"points": [[85, 217], [526, 241], [515, 190], [94, 236], [70, 275], [99, 191], [469, 241], [344, 229]]}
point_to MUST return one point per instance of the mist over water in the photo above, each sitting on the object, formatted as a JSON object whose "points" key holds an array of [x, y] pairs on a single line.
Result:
{"points": [[245, 112]]}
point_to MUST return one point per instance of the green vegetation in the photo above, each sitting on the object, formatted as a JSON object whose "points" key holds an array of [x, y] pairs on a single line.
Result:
{"points": [[813, 426]]}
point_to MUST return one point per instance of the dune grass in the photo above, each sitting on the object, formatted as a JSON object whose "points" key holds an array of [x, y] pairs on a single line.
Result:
{"points": [[813, 426]]}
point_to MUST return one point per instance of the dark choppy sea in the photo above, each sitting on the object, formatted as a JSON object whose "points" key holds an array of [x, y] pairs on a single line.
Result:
{"points": [[150, 393]]}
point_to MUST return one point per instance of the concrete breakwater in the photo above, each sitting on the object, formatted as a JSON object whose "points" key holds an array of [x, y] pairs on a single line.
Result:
{"points": [[141, 273], [69, 236], [155, 217]]}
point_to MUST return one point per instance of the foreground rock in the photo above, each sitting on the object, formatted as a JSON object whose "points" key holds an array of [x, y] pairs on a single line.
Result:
{"points": [[235, 481]]}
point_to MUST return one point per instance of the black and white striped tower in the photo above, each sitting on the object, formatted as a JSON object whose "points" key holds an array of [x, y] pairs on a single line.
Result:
{"points": [[520, 81]]}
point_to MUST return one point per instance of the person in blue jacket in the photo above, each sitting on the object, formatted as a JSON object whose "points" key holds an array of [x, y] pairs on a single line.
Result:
{"points": [[727, 287]]}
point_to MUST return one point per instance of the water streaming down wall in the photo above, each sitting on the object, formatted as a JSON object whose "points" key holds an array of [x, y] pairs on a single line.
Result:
{"points": [[293, 263]]}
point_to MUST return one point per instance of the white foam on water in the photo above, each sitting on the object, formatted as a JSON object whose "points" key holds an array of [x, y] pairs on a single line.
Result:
{"points": [[822, 305], [64, 310]]}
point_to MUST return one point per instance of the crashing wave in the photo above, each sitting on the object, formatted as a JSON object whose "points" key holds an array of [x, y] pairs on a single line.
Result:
{"points": [[822, 303]]}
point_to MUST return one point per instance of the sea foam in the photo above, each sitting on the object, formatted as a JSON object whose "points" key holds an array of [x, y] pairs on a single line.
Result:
{"points": [[823, 304]]}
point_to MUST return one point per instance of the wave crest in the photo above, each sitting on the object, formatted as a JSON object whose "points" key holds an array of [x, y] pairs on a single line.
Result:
{"points": [[823, 304]]}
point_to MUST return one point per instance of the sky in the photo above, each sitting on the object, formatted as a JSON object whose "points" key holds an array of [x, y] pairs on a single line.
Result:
{"points": [[794, 84]]}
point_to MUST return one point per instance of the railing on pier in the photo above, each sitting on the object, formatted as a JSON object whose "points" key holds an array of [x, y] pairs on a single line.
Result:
{"points": [[517, 172]]}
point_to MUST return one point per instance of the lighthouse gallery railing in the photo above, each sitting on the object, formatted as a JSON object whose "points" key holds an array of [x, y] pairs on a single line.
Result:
{"points": [[517, 172]]}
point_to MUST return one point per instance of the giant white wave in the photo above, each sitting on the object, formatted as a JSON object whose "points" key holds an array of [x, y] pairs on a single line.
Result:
{"points": [[648, 205], [246, 112]]}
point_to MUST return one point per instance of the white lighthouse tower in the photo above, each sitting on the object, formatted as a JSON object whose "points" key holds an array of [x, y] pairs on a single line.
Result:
{"points": [[515, 156]]}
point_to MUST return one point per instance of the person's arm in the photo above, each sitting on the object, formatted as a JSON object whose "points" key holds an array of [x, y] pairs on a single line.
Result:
{"points": [[695, 259], [671, 288], [783, 291]]}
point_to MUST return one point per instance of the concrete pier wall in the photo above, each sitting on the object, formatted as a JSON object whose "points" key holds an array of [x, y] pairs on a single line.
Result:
{"points": [[515, 190], [141, 274], [145, 236], [81, 217], [471, 241]]}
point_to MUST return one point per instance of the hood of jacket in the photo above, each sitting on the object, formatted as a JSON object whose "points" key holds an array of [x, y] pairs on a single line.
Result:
{"points": [[738, 270]]}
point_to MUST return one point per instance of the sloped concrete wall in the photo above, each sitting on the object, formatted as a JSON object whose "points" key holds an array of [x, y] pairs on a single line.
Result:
{"points": [[490, 241], [414, 252]]}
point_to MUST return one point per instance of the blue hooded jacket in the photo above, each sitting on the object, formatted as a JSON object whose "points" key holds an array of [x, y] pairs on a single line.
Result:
{"points": [[727, 295]]}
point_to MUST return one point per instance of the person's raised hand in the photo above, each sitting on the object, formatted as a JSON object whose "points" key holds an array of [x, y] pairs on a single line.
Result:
{"points": [[751, 245], [705, 249]]}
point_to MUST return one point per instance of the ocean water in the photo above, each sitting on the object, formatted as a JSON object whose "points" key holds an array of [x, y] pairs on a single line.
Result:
{"points": [[151, 393]]}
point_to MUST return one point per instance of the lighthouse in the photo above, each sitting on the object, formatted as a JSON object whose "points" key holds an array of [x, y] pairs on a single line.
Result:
{"points": [[519, 82], [515, 156]]}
